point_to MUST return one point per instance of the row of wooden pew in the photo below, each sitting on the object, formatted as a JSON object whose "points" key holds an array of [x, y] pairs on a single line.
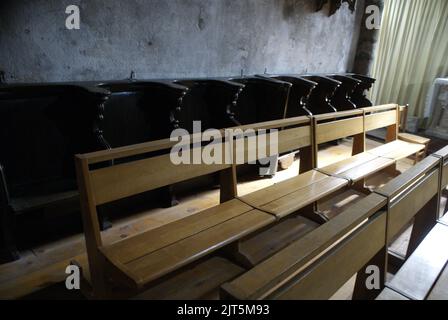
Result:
{"points": [[271, 243], [54, 121]]}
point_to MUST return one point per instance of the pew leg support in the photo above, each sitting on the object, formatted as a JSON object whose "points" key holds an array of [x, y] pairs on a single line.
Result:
{"points": [[360, 187], [168, 197], [104, 221], [233, 252], [361, 291], [424, 221], [312, 213], [307, 161]]}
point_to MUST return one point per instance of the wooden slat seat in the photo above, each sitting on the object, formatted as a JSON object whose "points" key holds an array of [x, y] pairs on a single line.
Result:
{"points": [[412, 138], [170, 247], [416, 278], [356, 124], [397, 150], [200, 281], [261, 246], [294, 194], [357, 167]]}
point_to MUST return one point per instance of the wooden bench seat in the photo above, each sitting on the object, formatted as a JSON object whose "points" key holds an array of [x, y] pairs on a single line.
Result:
{"points": [[357, 123], [254, 227], [357, 167], [137, 262], [200, 281], [294, 194], [416, 279], [258, 247], [161, 256], [412, 138], [397, 150]]}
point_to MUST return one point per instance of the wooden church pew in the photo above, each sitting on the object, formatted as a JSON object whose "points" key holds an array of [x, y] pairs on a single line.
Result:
{"points": [[317, 265], [357, 123], [412, 197], [233, 225], [141, 259], [425, 275]]}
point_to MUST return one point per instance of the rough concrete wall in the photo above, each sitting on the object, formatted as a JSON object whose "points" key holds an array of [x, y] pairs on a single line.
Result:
{"points": [[172, 38], [367, 43]]}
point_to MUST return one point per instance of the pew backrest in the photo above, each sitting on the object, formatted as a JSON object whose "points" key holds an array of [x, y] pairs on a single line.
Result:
{"points": [[100, 185]]}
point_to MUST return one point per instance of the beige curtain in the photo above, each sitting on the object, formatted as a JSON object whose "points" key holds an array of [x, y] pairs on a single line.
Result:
{"points": [[412, 51]]}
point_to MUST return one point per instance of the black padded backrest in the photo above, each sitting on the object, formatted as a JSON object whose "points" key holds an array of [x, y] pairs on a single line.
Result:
{"points": [[320, 101], [140, 111], [208, 101], [342, 97], [359, 96], [261, 100], [298, 95], [41, 128]]}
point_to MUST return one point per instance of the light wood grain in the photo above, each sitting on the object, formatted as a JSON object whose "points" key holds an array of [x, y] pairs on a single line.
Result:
{"points": [[417, 276], [405, 208], [196, 282], [180, 253], [302, 197], [124, 180], [337, 266], [397, 150], [331, 131], [400, 183], [262, 245], [347, 164], [384, 107], [380, 120], [266, 277], [148, 242]]}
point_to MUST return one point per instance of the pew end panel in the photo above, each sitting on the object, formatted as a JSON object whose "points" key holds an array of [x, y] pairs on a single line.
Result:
{"points": [[413, 196]]}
